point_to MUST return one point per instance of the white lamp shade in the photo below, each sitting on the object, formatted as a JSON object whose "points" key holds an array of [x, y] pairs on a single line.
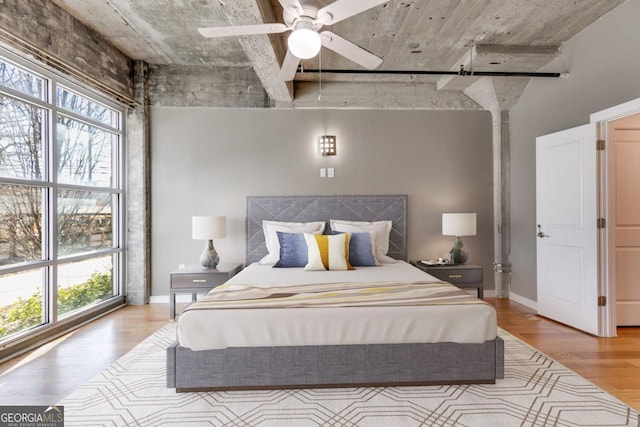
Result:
{"points": [[208, 227], [459, 224], [304, 43]]}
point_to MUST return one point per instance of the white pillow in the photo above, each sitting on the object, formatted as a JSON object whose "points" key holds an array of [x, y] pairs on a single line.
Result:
{"points": [[271, 237], [379, 230]]}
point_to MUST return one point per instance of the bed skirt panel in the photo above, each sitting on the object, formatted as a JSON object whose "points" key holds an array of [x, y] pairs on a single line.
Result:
{"points": [[334, 366]]}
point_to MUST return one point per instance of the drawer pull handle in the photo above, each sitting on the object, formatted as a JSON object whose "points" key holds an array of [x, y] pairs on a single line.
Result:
{"points": [[455, 276], [199, 280]]}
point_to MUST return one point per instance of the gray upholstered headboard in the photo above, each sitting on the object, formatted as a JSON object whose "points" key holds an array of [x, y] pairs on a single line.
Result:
{"points": [[323, 208]]}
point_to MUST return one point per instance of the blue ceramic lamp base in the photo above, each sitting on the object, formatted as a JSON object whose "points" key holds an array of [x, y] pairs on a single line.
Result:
{"points": [[209, 257], [458, 254]]}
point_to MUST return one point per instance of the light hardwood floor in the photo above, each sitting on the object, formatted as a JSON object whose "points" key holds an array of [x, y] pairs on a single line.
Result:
{"points": [[45, 376]]}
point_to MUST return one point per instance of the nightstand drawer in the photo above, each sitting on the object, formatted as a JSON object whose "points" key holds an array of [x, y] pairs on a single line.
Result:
{"points": [[457, 276], [197, 280]]}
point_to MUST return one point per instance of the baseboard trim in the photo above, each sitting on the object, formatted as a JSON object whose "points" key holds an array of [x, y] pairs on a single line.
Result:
{"points": [[533, 305], [164, 299]]}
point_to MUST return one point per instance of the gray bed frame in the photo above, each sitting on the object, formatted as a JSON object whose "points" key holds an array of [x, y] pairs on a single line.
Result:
{"points": [[332, 365]]}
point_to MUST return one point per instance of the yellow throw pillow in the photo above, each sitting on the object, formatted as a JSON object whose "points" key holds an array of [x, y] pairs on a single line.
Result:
{"points": [[328, 252]]}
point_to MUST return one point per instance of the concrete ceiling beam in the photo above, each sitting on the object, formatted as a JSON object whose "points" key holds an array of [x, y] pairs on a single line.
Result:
{"points": [[125, 27], [379, 96], [498, 58], [205, 86], [264, 51], [138, 30]]}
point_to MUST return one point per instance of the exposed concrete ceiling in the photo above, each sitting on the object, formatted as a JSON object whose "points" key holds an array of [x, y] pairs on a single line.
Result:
{"points": [[410, 35]]}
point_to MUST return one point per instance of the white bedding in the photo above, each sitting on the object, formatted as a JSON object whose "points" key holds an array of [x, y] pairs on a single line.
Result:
{"points": [[215, 329]]}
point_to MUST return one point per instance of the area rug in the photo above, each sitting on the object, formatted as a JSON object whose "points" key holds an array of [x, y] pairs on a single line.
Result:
{"points": [[536, 391]]}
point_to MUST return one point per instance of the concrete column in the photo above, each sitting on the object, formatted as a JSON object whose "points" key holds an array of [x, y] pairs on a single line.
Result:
{"points": [[501, 200], [483, 92], [138, 191]]}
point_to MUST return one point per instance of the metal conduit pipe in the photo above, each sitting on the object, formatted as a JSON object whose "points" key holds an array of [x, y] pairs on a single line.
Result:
{"points": [[462, 72]]}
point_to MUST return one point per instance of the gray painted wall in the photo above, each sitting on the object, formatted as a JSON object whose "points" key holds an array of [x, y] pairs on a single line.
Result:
{"points": [[603, 60], [205, 161]]}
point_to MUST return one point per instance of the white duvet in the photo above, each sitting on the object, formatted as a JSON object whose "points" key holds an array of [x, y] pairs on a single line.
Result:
{"points": [[215, 329]]}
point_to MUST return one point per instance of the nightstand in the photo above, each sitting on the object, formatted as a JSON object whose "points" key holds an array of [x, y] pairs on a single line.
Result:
{"points": [[461, 275], [195, 279]]}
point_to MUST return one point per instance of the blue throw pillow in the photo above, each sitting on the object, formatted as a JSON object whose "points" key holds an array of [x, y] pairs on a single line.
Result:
{"points": [[360, 249], [293, 250], [360, 253]]}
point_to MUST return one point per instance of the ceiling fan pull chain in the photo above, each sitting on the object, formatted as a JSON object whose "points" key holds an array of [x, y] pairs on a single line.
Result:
{"points": [[320, 75]]}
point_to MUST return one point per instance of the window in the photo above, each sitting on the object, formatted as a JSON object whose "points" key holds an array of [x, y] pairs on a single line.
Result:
{"points": [[61, 199]]}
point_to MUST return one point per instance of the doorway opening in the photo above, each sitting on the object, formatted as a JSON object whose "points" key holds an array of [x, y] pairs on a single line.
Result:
{"points": [[624, 217], [621, 117]]}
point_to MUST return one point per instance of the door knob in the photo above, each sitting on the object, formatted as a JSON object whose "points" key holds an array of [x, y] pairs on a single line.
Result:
{"points": [[540, 233]]}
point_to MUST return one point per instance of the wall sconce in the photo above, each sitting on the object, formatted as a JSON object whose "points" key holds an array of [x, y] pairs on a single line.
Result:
{"points": [[327, 145]]}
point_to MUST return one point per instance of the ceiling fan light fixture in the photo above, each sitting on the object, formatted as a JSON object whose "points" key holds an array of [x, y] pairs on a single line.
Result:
{"points": [[304, 43]]}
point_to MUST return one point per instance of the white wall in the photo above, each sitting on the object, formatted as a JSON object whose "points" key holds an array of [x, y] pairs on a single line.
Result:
{"points": [[604, 63], [206, 161]]}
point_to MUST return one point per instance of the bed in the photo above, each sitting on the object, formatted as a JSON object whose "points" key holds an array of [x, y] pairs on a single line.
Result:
{"points": [[227, 347]]}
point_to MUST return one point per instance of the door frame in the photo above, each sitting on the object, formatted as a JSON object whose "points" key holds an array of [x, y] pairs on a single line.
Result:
{"points": [[607, 323]]}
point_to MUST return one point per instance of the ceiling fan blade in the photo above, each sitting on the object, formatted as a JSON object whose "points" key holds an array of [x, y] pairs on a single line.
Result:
{"points": [[292, 5], [343, 9], [350, 50], [289, 67], [243, 30]]}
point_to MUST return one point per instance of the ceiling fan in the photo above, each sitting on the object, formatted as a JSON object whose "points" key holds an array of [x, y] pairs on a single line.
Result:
{"points": [[305, 41]]}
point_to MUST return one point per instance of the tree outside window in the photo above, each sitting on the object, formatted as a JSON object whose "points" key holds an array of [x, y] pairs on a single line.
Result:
{"points": [[50, 215]]}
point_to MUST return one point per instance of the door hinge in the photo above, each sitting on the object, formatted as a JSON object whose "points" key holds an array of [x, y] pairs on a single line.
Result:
{"points": [[602, 223], [600, 144], [602, 301]]}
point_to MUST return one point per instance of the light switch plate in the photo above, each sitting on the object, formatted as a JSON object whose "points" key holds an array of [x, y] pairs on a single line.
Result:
{"points": [[323, 172], [330, 172]]}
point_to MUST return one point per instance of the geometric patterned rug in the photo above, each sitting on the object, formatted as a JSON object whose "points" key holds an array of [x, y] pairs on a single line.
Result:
{"points": [[536, 391]]}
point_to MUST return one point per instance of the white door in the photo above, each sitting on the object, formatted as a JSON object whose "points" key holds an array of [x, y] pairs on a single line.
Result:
{"points": [[566, 218]]}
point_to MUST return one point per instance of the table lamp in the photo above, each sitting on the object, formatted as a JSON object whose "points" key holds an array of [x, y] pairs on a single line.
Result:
{"points": [[458, 224], [208, 228]]}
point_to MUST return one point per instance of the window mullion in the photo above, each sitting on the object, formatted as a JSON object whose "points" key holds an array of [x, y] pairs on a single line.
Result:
{"points": [[120, 286], [52, 205]]}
